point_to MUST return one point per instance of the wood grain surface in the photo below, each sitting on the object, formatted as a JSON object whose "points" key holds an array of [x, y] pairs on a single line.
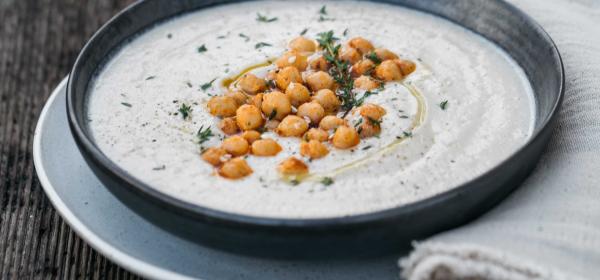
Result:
{"points": [[39, 41]]}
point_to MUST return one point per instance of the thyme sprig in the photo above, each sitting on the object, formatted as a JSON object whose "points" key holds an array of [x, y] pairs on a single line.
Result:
{"points": [[204, 134], [340, 70], [185, 111]]}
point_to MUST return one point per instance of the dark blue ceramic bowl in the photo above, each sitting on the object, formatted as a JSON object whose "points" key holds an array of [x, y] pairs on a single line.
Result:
{"points": [[375, 233]]}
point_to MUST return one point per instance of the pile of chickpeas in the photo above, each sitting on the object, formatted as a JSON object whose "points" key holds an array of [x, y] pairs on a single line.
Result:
{"points": [[297, 99]]}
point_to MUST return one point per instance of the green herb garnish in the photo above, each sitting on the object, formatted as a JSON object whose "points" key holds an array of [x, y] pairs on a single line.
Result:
{"points": [[374, 122], [262, 18], [407, 134], [162, 167], [304, 31], [294, 182], [126, 104], [150, 78], [262, 44], [361, 100], [345, 32], [340, 70], [367, 147], [327, 181], [202, 48], [323, 10], [273, 114], [373, 57], [185, 110], [205, 86], [246, 38], [204, 134], [444, 104]]}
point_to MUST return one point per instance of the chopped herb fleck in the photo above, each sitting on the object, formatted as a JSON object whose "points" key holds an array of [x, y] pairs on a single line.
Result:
{"points": [[185, 110], [444, 104], [345, 32], [404, 117], [373, 57], [407, 134], [273, 114], [262, 44], [126, 104], [188, 84], [359, 122], [204, 87], [304, 31], [204, 134], [327, 181], [162, 167], [262, 18], [367, 147], [295, 182], [374, 121], [322, 18], [150, 78], [169, 36], [246, 38], [202, 48], [323, 10]]}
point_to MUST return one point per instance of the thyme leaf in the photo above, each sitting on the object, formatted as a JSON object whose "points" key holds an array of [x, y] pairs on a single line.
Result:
{"points": [[202, 48], [204, 134], [185, 110], [126, 104], [246, 38], [262, 44], [261, 18], [205, 86], [444, 104]]}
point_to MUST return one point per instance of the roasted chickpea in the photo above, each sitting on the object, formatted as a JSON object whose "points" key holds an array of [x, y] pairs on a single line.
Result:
{"points": [[265, 147], [316, 134], [369, 129], [235, 168], [331, 122], [214, 156], [313, 149], [276, 105], [327, 99], [406, 66], [251, 84], [320, 64], [311, 110], [286, 76], [251, 136], [229, 126], [297, 94], [319, 80], [272, 124], [388, 71], [294, 59], [292, 166], [351, 55], [292, 126], [222, 106], [235, 145], [361, 44], [256, 100], [239, 97], [385, 54], [248, 117], [372, 111], [366, 83], [345, 137], [363, 67], [302, 45]]}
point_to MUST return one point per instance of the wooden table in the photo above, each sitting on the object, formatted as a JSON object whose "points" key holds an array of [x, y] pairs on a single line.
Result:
{"points": [[39, 41]]}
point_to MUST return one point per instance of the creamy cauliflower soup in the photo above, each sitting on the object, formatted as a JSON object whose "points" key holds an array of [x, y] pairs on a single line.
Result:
{"points": [[308, 109]]}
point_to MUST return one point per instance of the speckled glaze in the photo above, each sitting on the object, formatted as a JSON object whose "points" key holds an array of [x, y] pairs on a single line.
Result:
{"points": [[383, 231]]}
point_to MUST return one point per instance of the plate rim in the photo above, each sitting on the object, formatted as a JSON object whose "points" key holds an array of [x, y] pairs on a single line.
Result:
{"points": [[105, 248]]}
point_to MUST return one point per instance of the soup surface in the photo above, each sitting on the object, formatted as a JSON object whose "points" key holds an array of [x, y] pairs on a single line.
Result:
{"points": [[465, 108]]}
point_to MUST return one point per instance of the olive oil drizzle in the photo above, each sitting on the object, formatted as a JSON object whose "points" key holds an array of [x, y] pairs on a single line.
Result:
{"points": [[420, 115], [418, 120]]}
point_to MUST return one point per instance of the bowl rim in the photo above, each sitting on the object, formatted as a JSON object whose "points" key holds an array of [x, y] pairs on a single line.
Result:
{"points": [[170, 202]]}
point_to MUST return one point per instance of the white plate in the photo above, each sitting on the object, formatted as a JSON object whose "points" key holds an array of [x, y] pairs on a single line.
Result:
{"points": [[132, 242]]}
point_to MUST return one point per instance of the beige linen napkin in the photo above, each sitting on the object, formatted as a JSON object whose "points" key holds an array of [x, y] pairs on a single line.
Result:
{"points": [[550, 227]]}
